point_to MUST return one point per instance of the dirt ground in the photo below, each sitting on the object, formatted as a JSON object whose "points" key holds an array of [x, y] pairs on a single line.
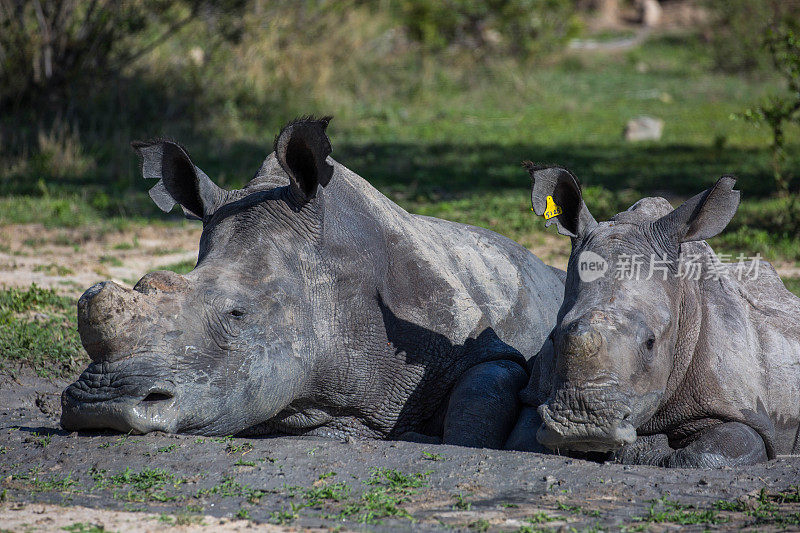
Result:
{"points": [[51, 479], [73, 259]]}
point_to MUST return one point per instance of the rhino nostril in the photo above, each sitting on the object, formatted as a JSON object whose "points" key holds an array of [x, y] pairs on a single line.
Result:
{"points": [[157, 396]]}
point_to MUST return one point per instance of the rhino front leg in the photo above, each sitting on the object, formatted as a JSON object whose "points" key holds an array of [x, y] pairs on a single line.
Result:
{"points": [[483, 406], [523, 437], [727, 444]]}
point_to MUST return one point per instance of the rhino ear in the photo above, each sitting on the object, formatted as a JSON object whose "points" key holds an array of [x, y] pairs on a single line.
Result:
{"points": [[556, 195], [702, 216], [179, 180], [302, 148]]}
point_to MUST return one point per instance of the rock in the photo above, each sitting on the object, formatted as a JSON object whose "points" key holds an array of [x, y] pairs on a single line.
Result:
{"points": [[644, 128], [650, 11]]}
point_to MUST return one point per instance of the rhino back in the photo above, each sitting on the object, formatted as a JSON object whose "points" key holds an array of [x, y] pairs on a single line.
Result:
{"points": [[746, 366], [413, 303], [456, 279], [775, 315]]}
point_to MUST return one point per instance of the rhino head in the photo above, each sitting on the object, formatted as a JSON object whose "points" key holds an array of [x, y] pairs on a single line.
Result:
{"points": [[618, 329], [231, 343]]}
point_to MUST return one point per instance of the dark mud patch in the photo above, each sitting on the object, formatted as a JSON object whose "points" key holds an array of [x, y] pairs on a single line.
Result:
{"points": [[374, 485]]}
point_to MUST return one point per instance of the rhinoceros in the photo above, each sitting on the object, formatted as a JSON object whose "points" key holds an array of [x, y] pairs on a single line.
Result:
{"points": [[673, 365], [317, 307]]}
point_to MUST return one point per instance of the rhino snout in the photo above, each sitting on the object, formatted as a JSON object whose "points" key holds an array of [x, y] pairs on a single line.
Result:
{"points": [[112, 320], [152, 409], [589, 420]]}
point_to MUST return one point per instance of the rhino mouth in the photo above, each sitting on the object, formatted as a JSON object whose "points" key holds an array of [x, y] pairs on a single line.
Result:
{"points": [[586, 420], [112, 398]]}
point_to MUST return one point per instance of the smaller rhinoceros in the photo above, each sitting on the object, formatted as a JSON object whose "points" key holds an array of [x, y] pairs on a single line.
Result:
{"points": [[656, 360]]}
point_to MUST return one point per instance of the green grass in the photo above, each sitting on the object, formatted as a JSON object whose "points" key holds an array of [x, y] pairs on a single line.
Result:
{"points": [[793, 284], [84, 527], [444, 136], [147, 485], [183, 267], [37, 483], [668, 511], [39, 329]]}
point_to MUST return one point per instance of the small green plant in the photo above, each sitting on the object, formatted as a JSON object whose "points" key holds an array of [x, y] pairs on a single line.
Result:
{"points": [[243, 514], [539, 517], [41, 440], [168, 449], [111, 260], [391, 489], [228, 487], [669, 511], [283, 516], [83, 527], [120, 441], [53, 269], [461, 504], [479, 525], [577, 509], [52, 484], [147, 485], [725, 505], [244, 448], [432, 456]]}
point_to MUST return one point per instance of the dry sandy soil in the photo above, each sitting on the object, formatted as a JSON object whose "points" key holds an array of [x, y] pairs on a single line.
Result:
{"points": [[51, 479], [72, 259]]}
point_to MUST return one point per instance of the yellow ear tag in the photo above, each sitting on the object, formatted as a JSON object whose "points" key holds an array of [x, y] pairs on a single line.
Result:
{"points": [[551, 210]]}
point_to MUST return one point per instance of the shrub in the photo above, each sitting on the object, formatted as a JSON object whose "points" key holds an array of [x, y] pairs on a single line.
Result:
{"points": [[520, 27], [736, 29]]}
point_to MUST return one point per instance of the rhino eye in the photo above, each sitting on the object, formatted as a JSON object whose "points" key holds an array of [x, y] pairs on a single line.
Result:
{"points": [[236, 313], [650, 343]]}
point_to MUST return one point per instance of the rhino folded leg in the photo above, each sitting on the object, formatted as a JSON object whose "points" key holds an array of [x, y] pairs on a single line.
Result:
{"points": [[728, 444], [413, 436], [523, 437], [483, 406]]}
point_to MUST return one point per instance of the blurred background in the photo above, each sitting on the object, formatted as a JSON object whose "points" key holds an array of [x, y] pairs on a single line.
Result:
{"points": [[435, 103]]}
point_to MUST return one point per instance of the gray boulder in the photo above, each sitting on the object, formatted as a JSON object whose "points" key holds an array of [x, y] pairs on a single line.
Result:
{"points": [[644, 128]]}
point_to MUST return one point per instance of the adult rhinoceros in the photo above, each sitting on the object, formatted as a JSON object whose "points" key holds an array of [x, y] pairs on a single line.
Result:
{"points": [[317, 306], [683, 361]]}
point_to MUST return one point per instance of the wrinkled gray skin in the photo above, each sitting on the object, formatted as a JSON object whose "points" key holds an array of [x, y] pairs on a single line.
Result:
{"points": [[676, 372], [317, 306]]}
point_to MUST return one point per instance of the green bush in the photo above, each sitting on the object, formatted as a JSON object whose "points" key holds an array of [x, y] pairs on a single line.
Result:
{"points": [[736, 29], [520, 27]]}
